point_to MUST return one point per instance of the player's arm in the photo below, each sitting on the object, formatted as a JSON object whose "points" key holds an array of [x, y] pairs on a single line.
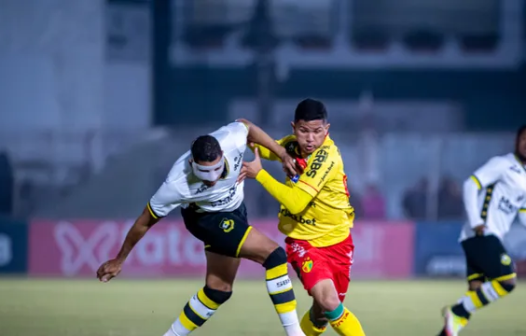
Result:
{"points": [[483, 177], [269, 149], [297, 198], [163, 202], [292, 198]]}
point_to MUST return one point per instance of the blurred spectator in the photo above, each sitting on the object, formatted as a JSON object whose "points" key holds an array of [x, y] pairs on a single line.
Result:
{"points": [[6, 183], [414, 202], [449, 200], [373, 203]]}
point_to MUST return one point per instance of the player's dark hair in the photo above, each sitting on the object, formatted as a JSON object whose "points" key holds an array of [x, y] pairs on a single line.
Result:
{"points": [[520, 131], [205, 148], [310, 109]]}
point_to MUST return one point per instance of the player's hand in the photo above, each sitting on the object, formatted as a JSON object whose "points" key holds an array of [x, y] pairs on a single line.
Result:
{"points": [[479, 230], [252, 168], [289, 165], [242, 174], [109, 270]]}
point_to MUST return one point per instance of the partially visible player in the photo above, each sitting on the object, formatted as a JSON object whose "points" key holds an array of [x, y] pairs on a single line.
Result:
{"points": [[204, 183], [315, 215], [493, 197]]}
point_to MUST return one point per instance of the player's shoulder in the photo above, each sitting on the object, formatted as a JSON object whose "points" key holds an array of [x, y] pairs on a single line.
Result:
{"points": [[330, 149], [233, 128], [232, 136], [502, 161]]}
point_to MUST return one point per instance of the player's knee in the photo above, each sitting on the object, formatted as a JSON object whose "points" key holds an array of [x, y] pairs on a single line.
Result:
{"points": [[276, 258], [508, 285], [329, 303], [474, 285], [325, 295], [218, 296]]}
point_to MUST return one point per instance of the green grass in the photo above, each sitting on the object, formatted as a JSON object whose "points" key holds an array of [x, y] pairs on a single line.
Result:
{"points": [[140, 308]]}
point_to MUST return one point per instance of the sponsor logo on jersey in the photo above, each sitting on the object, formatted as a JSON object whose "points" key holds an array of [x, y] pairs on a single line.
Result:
{"points": [[226, 200], [516, 169], [238, 161], [201, 189], [326, 173], [506, 206], [320, 157], [297, 218]]}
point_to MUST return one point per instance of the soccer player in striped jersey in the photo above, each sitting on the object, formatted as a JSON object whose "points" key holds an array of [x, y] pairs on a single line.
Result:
{"points": [[315, 215], [493, 197], [205, 183]]}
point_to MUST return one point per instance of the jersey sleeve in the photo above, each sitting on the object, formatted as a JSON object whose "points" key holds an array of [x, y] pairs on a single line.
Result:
{"points": [[233, 135], [489, 173], [522, 214], [321, 168], [166, 199], [267, 154], [238, 127]]}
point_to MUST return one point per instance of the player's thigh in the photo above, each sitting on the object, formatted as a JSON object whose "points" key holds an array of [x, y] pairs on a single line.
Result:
{"points": [[342, 256], [221, 271], [257, 246], [495, 261], [474, 271], [222, 233], [311, 266]]}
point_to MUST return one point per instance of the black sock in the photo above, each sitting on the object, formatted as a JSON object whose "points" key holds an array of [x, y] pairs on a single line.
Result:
{"points": [[459, 310]]}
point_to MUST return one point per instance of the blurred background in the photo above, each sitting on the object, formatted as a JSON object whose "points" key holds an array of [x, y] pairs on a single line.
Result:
{"points": [[99, 98]]}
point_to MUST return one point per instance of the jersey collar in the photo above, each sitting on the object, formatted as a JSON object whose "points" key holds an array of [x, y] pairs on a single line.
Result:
{"points": [[520, 162]]}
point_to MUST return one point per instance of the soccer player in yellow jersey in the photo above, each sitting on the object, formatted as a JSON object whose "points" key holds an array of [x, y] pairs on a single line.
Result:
{"points": [[315, 215]]}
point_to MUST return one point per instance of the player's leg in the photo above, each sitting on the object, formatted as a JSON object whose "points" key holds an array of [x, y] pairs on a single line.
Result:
{"points": [[499, 281], [341, 319], [495, 280], [327, 279], [220, 274], [314, 322], [259, 248]]}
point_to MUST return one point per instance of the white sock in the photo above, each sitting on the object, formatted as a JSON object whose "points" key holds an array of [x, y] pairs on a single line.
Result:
{"points": [[291, 323], [177, 329], [198, 307]]}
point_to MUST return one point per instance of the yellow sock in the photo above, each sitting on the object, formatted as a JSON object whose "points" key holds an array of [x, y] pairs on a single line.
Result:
{"points": [[308, 327], [344, 322], [279, 288]]}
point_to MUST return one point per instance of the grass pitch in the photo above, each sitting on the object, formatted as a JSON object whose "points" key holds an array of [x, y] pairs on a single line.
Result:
{"points": [[140, 308]]}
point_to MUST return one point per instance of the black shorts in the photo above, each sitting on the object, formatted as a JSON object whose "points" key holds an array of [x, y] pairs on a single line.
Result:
{"points": [[487, 259], [222, 232]]}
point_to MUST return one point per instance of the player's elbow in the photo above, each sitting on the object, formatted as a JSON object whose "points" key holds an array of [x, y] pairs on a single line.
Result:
{"points": [[244, 121], [247, 123], [298, 207], [295, 209]]}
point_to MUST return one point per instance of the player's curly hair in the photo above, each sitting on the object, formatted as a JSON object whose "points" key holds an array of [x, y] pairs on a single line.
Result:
{"points": [[205, 148], [310, 109]]}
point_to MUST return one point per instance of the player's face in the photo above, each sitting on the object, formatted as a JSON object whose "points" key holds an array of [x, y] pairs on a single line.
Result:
{"points": [[209, 172], [310, 134], [521, 145]]}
